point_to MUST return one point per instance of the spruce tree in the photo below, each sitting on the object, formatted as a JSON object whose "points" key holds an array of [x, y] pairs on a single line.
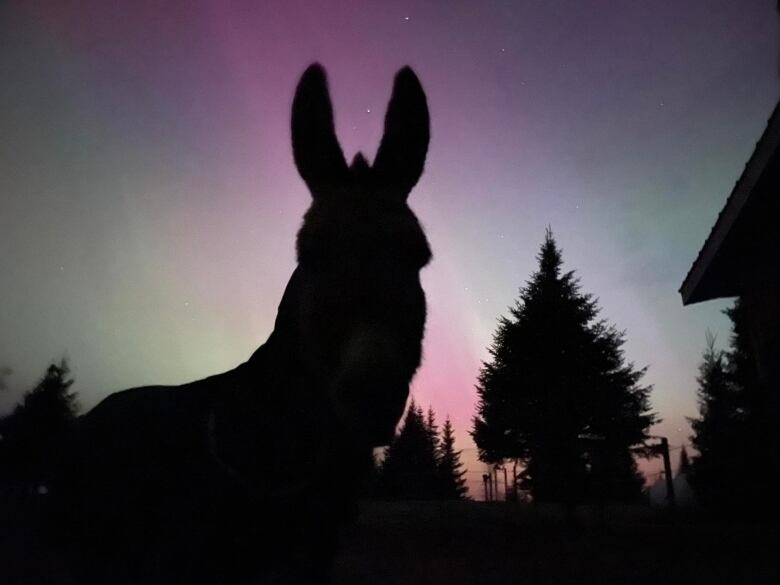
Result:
{"points": [[718, 432], [433, 432], [35, 433], [409, 470], [451, 472], [557, 394], [759, 441], [732, 433]]}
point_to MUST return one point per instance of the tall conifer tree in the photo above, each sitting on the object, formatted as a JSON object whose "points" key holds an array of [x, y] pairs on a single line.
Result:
{"points": [[558, 395]]}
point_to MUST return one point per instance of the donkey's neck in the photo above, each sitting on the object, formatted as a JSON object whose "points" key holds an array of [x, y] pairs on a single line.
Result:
{"points": [[280, 355], [272, 393]]}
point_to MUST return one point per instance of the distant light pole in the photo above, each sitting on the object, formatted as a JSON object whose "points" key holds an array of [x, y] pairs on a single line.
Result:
{"points": [[663, 449], [670, 497]]}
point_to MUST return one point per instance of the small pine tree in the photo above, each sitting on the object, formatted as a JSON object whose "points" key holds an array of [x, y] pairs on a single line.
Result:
{"points": [[410, 469], [451, 472], [433, 431], [35, 432]]}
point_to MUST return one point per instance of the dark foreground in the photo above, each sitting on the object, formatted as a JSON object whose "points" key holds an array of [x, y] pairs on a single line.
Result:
{"points": [[475, 543]]}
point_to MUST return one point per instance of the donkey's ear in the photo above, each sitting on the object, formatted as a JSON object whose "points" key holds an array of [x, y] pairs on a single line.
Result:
{"points": [[316, 149], [400, 159]]}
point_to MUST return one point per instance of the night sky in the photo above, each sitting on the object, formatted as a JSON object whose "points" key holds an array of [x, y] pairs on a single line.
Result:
{"points": [[149, 201]]}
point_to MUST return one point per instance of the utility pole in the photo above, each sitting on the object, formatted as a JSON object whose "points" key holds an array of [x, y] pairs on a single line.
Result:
{"points": [[670, 498], [663, 449]]}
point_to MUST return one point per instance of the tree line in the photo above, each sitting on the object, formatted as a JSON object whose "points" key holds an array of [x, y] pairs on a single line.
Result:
{"points": [[557, 400]]}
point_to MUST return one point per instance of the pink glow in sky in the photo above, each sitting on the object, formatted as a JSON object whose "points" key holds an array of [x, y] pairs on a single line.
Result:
{"points": [[150, 201]]}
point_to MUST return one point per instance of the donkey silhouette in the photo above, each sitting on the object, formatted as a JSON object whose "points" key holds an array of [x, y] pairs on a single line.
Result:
{"points": [[247, 476]]}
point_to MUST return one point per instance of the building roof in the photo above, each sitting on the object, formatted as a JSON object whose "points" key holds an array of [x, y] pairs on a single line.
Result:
{"points": [[741, 227]]}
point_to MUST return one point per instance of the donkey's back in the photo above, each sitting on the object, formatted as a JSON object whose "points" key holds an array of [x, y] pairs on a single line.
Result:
{"points": [[154, 497]]}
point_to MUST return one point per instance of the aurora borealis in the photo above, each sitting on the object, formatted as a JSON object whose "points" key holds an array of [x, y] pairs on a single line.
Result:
{"points": [[149, 201]]}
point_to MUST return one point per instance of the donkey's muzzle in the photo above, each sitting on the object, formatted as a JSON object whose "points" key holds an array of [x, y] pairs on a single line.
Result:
{"points": [[371, 407], [370, 391]]}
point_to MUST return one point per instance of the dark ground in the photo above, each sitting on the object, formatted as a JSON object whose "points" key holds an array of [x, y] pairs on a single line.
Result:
{"points": [[415, 543], [477, 543]]}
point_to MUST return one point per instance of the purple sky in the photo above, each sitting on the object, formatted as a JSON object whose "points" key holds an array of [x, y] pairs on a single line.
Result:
{"points": [[149, 202]]}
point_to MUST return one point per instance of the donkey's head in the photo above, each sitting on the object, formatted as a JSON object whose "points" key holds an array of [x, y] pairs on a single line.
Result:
{"points": [[360, 309]]}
